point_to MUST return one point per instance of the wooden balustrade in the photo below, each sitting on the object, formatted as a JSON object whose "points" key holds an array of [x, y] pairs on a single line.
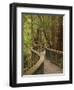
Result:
{"points": [[54, 50], [55, 56], [33, 66]]}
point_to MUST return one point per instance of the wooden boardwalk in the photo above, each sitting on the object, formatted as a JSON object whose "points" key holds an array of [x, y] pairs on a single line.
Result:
{"points": [[49, 68]]}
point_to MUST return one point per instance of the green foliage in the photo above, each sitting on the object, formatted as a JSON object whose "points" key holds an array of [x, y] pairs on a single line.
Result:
{"points": [[27, 35]]}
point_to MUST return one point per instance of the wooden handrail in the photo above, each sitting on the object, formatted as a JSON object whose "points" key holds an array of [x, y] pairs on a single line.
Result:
{"points": [[40, 61], [56, 51], [35, 52], [37, 64], [34, 67]]}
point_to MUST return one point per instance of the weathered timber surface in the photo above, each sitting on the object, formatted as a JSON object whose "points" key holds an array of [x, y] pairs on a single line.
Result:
{"points": [[50, 68]]}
